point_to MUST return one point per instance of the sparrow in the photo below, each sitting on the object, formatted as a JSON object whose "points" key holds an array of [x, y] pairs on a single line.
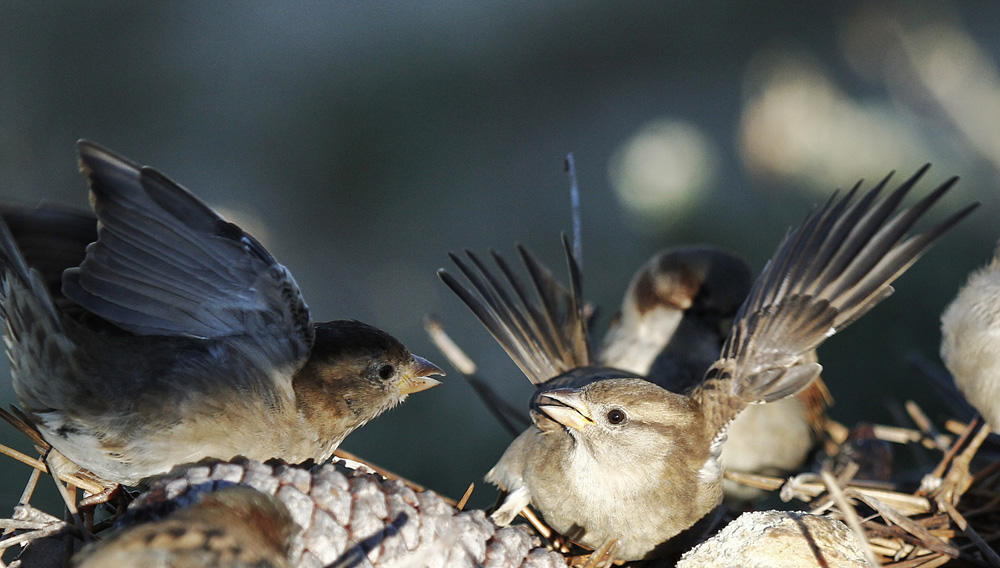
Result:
{"points": [[970, 340], [675, 315], [674, 318], [235, 527], [613, 458], [177, 337]]}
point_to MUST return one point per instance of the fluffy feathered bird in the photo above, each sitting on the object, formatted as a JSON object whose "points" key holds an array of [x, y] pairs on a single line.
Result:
{"points": [[970, 340], [235, 527], [674, 318], [178, 336], [612, 457]]}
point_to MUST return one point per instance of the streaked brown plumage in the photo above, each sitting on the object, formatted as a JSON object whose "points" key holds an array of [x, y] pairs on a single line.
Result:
{"points": [[674, 318], [179, 337], [614, 457], [235, 527]]}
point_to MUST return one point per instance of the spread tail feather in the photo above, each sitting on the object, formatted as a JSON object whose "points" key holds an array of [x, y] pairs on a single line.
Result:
{"points": [[546, 336]]}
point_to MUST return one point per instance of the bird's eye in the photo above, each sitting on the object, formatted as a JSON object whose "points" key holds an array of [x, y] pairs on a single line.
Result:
{"points": [[616, 416], [386, 371]]}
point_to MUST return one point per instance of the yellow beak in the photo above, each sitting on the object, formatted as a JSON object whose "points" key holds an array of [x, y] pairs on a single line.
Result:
{"points": [[416, 378], [566, 406]]}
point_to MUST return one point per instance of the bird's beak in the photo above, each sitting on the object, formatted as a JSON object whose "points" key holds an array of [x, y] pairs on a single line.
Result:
{"points": [[566, 406], [418, 379]]}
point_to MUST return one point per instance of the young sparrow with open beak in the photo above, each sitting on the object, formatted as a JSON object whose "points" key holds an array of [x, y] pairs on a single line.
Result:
{"points": [[970, 340], [179, 337], [612, 457], [673, 320]]}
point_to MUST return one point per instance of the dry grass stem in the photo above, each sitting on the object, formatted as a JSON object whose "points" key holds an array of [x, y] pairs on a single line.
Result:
{"points": [[465, 498], [354, 462], [850, 516]]}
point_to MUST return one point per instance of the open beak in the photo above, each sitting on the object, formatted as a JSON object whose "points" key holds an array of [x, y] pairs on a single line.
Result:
{"points": [[418, 379], [566, 406]]}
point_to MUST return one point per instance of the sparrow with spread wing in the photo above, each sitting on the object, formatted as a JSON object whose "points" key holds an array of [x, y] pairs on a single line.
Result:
{"points": [[675, 316], [179, 337], [612, 457]]}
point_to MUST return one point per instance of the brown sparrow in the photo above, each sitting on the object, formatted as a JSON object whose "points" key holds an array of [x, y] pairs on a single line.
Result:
{"points": [[179, 337], [674, 318], [612, 457], [235, 527], [970, 340]]}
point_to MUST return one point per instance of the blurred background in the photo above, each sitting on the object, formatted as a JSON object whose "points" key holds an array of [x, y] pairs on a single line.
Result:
{"points": [[361, 141]]}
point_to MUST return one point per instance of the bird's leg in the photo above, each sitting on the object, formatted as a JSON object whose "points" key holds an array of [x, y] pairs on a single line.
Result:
{"points": [[107, 495], [559, 543], [953, 484], [602, 557], [117, 498]]}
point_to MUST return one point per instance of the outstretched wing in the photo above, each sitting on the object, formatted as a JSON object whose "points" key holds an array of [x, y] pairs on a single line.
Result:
{"points": [[164, 263], [545, 335], [825, 274]]}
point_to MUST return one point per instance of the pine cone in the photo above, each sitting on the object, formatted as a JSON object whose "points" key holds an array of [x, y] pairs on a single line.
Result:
{"points": [[360, 520]]}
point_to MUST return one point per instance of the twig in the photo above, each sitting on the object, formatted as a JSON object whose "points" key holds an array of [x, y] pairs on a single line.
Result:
{"points": [[991, 555], [850, 516], [465, 498], [52, 529], [756, 481], [942, 466], [925, 425], [512, 420], [901, 435], [927, 540], [574, 195], [349, 457], [70, 502], [82, 483]]}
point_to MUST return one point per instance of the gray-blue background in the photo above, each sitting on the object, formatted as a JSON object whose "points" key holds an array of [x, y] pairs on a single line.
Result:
{"points": [[362, 140]]}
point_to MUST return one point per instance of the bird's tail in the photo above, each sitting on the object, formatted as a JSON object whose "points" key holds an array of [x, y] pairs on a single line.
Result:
{"points": [[546, 336]]}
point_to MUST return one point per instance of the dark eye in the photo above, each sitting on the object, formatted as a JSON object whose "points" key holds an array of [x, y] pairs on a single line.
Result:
{"points": [[616, 416], [386, 371]]}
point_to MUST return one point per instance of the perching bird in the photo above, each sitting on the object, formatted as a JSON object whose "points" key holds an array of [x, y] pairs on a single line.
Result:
{"points": [[180, 337], [970, 340], [235, 527], [612, 457], [674, 318], [676, 314]]}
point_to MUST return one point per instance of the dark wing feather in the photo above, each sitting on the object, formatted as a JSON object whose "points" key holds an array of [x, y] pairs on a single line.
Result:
{"points": [[545, 335], [51, 239], [826, 274], [164, 263]]}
